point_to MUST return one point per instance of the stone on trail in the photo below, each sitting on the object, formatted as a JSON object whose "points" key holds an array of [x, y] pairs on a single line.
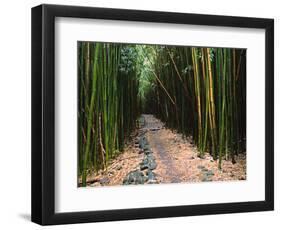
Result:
{"points": [[148, 152], [142, 121], [210, 173], [148, 162], [142, 142], [110, 173], [143, 166], [119, 167], [151, 177], [152, 165], [200, 167], [104, 181], [134, 177], [175, 180], [146, 147], [155, 129], [145, 160], [207, 175], [206, 179]]}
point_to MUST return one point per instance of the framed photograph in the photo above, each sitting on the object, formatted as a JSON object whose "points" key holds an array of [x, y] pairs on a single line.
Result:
{"points": [[142, 114]]}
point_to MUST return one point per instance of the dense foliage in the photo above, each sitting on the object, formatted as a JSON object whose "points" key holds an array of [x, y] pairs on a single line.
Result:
{"points": [[108, 102], [200, 92]]}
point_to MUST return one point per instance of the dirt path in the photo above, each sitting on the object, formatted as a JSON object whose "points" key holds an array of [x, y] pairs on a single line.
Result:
{"points": [[178, 162], [176, 159], [167, 170]]}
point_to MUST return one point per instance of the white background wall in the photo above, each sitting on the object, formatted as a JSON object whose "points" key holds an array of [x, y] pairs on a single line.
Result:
{"points": [[15, 119]]}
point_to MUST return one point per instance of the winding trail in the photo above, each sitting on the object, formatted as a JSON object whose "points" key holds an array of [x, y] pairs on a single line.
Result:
{"points": [[165, 161], [175, 156], [177, 159]]}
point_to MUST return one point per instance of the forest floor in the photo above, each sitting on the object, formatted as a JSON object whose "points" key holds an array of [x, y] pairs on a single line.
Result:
{"points": [[176, 160]]}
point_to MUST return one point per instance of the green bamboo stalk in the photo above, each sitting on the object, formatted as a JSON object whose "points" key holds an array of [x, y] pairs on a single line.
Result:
{"points": [[89, 122]]}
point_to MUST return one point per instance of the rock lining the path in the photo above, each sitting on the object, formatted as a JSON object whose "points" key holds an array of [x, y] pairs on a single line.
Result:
{"points": [[147, 165], [148, 162], [151, 177], [135, 177], [104, 181], [206, 173], [177, 160]]}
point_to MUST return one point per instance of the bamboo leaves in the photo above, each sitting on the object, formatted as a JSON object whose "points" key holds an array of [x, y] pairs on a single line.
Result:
{"points": [[108, 104], [200, 92]]}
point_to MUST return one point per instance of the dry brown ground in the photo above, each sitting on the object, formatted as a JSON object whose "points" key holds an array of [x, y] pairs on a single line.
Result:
{"points": [[176, 160]]}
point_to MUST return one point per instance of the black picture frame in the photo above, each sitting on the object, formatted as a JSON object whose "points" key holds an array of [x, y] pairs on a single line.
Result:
{"points": [[43, 114]]}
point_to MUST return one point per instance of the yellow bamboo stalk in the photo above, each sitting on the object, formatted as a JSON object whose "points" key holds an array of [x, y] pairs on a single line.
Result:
{"points": [[211, 96], [197, 90]]}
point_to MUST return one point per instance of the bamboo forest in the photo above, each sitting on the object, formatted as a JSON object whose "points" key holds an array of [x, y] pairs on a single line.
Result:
{"points": [[153, 114]]}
